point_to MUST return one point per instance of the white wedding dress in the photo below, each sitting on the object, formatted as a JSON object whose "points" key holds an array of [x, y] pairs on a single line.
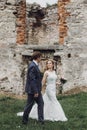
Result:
{"points": [[52, 108]]}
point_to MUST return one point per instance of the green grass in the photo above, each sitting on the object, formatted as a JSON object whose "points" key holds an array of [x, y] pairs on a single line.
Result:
{"points": [[75, 107]]}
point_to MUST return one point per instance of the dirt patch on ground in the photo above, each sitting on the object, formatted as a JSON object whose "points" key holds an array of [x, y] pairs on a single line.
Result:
{"points": [[8, 94], [24, 96], [76, 90]]}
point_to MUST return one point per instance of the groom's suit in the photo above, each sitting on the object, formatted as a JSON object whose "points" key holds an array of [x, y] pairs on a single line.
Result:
{"points": [[33, 83], [33, 86]]}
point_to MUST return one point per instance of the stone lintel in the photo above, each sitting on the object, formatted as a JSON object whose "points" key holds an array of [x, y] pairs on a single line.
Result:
{"points": [[45, 47]]}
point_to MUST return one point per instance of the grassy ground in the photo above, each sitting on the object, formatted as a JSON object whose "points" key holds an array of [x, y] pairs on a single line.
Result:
{"points": [[75, 107]]}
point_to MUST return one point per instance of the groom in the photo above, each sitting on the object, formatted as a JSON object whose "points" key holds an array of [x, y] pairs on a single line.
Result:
{"points": [[33, 89]]}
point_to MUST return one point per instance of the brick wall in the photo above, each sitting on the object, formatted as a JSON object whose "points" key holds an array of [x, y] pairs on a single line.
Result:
{"points": [[21, 22]]}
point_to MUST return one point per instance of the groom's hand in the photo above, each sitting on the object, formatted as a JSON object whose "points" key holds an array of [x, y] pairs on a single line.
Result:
{"points": [[36, 95]]}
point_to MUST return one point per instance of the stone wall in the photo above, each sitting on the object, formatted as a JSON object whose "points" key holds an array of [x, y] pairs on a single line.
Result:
{"points": [[10, 60], [74, 53], [76, 23], [42, 32], [7, 22]]}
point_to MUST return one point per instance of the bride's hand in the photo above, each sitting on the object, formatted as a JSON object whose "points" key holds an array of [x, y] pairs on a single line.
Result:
{"points": [[58, 83]]}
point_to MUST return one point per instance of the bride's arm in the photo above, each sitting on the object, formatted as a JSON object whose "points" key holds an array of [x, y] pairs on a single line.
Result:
{"points": [[44, 82], [44, 79]]}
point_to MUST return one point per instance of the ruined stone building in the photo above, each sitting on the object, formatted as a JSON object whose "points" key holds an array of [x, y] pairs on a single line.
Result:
{"points": [[58, 31]]}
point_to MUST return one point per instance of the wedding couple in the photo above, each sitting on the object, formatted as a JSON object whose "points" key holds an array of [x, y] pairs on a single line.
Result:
{"points": [[46, 107]]}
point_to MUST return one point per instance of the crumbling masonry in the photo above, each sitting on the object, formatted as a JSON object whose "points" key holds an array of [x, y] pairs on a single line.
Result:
{"points": [[58, 31]]}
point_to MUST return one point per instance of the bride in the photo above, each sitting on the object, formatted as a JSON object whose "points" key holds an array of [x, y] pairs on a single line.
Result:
{"points": [[52, 108]]}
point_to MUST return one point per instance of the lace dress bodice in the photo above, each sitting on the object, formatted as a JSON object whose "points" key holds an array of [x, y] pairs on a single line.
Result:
{"points": [[51, 78], [51, 82]]}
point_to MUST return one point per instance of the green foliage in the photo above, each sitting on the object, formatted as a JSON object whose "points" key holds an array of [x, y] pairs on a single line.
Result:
{"points": [[75, 107], [48, 5]]}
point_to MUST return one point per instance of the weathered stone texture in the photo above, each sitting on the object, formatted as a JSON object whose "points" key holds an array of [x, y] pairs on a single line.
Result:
{"points": [[46, 32], [7, 23], [74, 66], [77, 24], [10, 68], [43, 28], [9, 64], [74, 58]]}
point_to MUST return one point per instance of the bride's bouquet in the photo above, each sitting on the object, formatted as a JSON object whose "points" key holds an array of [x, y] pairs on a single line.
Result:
{"points": [[63, 81]]}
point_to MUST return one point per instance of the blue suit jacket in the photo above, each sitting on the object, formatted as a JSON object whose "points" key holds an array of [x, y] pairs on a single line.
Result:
{"points": [[33, 82]]}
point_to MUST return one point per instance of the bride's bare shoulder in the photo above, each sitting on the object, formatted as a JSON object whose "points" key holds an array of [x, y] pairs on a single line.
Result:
{"points": [[46, 72]]}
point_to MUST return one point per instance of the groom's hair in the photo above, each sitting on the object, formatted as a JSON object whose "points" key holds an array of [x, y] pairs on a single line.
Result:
{"points": [[36, 55]]}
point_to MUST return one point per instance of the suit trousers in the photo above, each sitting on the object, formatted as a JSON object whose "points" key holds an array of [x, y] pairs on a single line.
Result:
{"points": [[30, 102]]}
